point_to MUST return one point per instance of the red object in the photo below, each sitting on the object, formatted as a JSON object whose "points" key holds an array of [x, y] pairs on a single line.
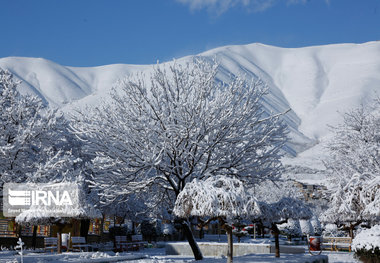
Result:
{"points": [[315, 243]]}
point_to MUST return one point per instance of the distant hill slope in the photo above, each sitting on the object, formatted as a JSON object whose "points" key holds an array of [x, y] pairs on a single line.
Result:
{"points": [[315, 82]]}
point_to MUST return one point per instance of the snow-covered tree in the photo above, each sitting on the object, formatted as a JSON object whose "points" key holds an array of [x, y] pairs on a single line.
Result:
{"points": [[317, 228], [217, 197], [306, 227], [273, 214], [181, 125], [280, 204], [355, 146], [355, 202], [291, 228], [355, 165], [238, 229], [34, 139], [36, 145], [332, 230]]}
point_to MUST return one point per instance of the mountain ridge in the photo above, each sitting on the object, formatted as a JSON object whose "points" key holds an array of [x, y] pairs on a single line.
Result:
{"points": [[318, 83]]}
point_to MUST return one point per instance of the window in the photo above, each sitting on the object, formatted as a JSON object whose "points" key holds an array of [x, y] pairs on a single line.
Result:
{"points": [[94, 228]]}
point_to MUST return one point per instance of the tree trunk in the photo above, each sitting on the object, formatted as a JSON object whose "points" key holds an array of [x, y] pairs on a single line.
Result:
{"points": [[230, 250], [59, 236], [352, 227], [19, 230], [190, 238], [34, 237], [276, 233], [59, 245], [262, 230], [219, 230]]}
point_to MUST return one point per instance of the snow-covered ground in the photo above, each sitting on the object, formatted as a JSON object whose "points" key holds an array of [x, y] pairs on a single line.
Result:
{"points": [[157, 255]]}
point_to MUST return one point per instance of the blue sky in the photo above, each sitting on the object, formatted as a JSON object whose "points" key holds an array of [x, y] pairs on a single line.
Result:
{"points": [[99, 32]]}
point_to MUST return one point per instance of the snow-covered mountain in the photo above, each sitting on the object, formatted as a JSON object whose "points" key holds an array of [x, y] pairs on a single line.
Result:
{"points": [[317, 83]]}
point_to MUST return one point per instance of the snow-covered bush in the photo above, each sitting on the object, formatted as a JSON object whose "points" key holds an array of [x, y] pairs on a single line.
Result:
{"points": [[332, 230], [317, 228], [306, 227], [291, 229], [367, 244]]}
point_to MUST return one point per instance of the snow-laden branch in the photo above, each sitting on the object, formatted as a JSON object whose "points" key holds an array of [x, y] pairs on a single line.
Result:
{"points": [[215, 197], [355, 168], [179, 124]]}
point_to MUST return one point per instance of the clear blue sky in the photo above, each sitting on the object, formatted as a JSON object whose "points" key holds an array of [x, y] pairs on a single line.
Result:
{"points": [[99, 32]]}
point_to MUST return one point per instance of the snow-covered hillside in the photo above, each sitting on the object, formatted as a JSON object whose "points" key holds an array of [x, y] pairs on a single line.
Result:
{"points": [[315, 82]]}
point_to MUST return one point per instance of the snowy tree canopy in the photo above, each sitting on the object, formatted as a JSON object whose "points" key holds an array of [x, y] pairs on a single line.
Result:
{"points": [[292, 208], [355, 166], [37, 147], [282, 210], [40, 214], [306, 227], [356, 201], [271, 215], [34, 143], [291, 228], [271, 192], [317, 228], [355, 146], [181, 125], [215, 197], [367, 239]]}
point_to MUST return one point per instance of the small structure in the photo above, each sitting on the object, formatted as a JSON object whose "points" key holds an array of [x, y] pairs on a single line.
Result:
{"points": [[39, 215], [311, 191]]}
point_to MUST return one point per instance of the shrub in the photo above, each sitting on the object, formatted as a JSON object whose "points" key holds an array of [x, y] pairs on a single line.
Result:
{"points": [[367, 245]]}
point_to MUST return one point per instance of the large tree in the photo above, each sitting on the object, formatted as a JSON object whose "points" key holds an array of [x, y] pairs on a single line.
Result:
{"points": [[355, 167], [355, 145], [34, 142], [354, 202], [181, 125], [272, 215]]}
